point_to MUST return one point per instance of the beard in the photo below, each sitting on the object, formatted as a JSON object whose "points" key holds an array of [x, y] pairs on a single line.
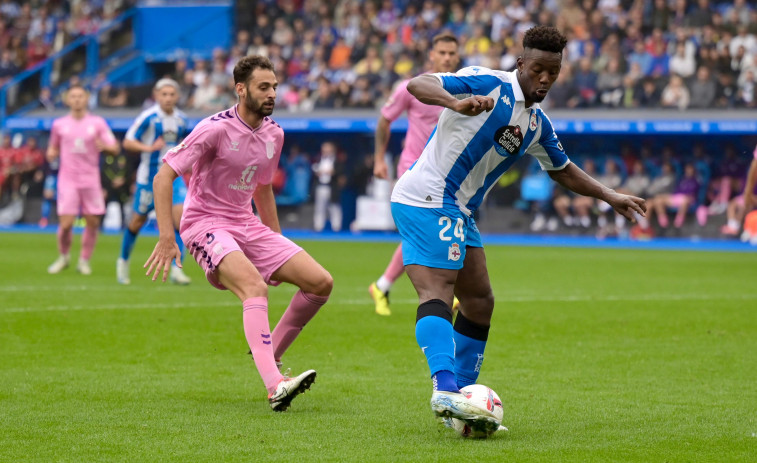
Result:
{"points": [[256, 107]]}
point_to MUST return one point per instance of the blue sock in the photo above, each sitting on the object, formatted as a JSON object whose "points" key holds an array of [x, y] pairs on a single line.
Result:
{"points": [[180, 243], [445, 381], [128, 243], [433, 331], [46, 204], [470, 342]]}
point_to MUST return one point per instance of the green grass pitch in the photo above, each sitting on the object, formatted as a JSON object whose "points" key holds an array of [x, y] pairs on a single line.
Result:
{"points": [[598, 355]]}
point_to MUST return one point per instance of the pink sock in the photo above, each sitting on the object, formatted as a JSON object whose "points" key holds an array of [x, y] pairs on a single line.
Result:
{"points": [[88, 240], [258, 334], [662, 219], [678, 222], [64, 240], [395, 269], [301, 310]]}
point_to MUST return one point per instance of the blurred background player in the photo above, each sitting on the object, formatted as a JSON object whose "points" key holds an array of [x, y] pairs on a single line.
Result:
{"points": [[421, 119], [492, 119], [49, 191], [157, 130], [233, 156], [77, 139]]}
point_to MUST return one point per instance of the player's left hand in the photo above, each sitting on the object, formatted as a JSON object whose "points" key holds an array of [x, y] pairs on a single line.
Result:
{"points": [[626, 205], [99, 145], [164, 253]]}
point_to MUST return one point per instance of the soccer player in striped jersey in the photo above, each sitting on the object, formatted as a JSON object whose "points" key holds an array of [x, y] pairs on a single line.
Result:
{"points": [[492, 118], [154, 132], [421, 120]]}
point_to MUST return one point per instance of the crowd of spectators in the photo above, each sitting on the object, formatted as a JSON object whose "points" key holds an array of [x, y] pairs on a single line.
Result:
{"points": [[32, 30]]}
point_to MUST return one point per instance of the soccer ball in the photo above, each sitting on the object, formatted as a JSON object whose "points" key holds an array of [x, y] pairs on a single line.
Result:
{"points": [[486, 399]]}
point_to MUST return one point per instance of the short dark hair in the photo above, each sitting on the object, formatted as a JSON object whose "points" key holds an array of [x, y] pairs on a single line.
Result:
{"points": [[545, 38], [245, 66], [444, 37]]}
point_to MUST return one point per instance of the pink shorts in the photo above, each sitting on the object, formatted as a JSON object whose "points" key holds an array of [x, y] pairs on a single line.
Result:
{"points": [[677, 199], [209, 242], [87, 200]]}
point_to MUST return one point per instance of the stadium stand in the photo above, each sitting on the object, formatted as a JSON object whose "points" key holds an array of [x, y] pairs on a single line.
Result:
{"points": [[648, 76]]}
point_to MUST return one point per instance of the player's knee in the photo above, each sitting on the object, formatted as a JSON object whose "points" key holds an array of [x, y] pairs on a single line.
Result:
{"points": [[252, 286], [324, 285]]}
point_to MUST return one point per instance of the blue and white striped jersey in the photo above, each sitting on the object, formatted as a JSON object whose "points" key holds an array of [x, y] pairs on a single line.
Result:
{"points": [[466, 155], [147, 127]]}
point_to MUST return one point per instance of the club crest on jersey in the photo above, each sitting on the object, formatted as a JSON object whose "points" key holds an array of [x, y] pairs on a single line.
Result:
{"points": [[269, 149], [234, 146], [532, 123], [507, 140], [454, 252]]}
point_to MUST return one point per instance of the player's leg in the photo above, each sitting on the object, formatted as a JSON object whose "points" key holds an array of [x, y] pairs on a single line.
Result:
{"points": [[379, 290], [660, 203], [471, 329], [48, 196], [64, 237], [141, 206], [68, 203], [315, 285], [88, 241]]}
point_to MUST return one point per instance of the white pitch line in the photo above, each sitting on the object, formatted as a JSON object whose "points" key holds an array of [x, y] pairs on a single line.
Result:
{"points": [[358, 302]]}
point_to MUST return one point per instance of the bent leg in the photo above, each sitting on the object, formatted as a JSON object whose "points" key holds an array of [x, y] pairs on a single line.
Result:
{"points": [[471, 330], [315, 285]]}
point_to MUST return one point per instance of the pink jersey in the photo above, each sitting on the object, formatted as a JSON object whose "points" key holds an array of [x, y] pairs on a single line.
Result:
{"points": [[228, 159], [79, 157], [422, 119]]}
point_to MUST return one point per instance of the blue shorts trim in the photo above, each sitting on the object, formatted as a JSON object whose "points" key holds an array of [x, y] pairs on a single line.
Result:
{"points": [[144, 202], [437, 237]]}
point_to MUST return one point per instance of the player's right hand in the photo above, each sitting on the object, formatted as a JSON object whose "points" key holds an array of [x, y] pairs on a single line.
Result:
{"points": [[380, 169], [474, 105], [164, 253], [158, 144]]}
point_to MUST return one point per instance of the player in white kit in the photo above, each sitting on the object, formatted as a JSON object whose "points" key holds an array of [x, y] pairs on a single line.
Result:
{"points": [[421, 119], [492, 119], [232, 157]]}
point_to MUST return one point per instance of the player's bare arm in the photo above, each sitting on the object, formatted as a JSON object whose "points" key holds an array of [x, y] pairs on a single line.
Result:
{"points": [[265, 202], [428, 90], [138, 146], [166, 250], [575, 179], [380, 169], [53, 152], [107, 148]]}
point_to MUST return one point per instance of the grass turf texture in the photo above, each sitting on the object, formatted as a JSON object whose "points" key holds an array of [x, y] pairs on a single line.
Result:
{"points": [[599, 355]]}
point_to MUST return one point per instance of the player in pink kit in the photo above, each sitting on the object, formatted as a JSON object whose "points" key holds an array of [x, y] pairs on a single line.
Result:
{"points": [[421, 119], [78, 139], [232, 157]]}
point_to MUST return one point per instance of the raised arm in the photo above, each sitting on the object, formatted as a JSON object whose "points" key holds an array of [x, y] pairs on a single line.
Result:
{"points": [[166, 250], [575, 179], [428, 90]]}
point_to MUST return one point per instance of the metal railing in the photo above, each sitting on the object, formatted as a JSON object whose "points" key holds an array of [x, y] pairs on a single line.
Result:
{"points": [[84, 57]]}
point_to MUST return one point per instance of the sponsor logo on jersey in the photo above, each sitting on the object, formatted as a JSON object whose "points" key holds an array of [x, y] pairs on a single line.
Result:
{"points": [[176, 148], [559, 146], [234, 146], [506, 100], [454, 252], [507, 140]]}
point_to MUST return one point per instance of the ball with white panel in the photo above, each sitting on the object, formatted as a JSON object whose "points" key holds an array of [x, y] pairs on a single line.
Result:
{"points": [[486, 399]]}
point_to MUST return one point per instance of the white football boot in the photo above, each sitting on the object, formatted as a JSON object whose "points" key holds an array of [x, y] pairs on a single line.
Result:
{"points": [[83, 267], [178, 276], [288, 389], [447, 404], [60, 263], [122, 271]]}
